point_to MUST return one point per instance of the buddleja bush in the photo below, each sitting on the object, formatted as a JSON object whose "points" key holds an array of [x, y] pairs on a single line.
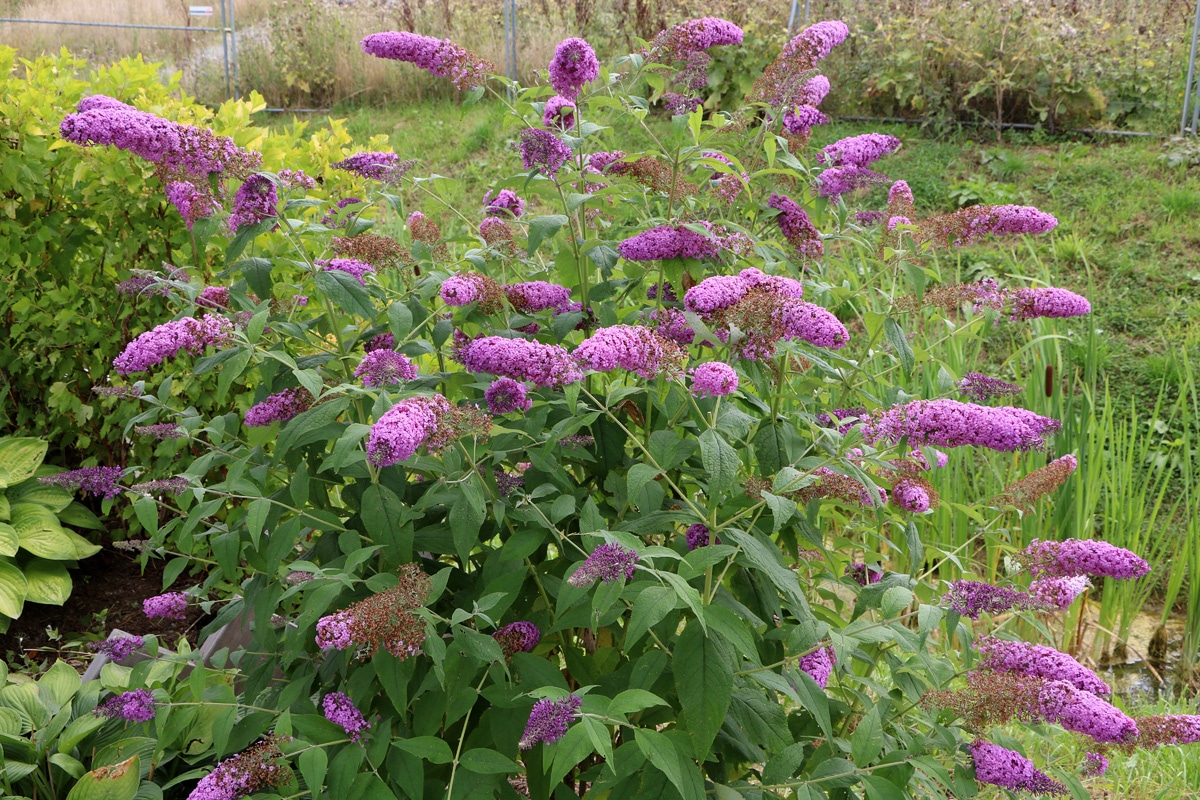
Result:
{"points": [[573, 506]]}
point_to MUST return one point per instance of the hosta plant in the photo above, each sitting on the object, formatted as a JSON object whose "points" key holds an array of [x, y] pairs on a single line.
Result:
{"points": [[36, 548], [614, 485]]}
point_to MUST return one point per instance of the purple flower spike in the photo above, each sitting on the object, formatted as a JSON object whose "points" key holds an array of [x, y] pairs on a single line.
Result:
{"points": [[135, 706], [1038, 661], [518, 637], [542, 150], [155, 346], [540, 364], [1049, 302], [172, 605], [440, 57], [504, 204], [351, 266], [608, 562], [796, 227], [549, 720], [1009, 769], [573, 65], [401, 431], [714, 379], [980, 387], [505, 396], [858, 151], [278, 407], [384, 368], [118, 648], [96, 481], [1057, 594], [340, 710], [256, 200], [667, 241], [698, 535], [949, 423], [1083, 557], [559, 113], [972, 598], [819, 665], [633, 348], [1094, 765]]}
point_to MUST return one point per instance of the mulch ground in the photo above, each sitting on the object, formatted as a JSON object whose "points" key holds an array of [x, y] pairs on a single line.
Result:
{"points": [[110, 581]]}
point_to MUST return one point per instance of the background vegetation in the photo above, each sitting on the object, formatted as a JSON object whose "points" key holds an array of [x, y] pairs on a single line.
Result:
{"points": [[1083, 63]]}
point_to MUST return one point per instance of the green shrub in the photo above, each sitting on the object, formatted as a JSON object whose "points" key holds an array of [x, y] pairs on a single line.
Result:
{"points": [[75, 223]]}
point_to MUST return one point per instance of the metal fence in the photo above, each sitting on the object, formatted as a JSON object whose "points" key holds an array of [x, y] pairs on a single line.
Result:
{"points": [[228, 32], [798, 17], [1189, 121]]}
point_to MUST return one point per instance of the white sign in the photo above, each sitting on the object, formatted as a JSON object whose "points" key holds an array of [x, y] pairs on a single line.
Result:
{"points": [[200, 11]]}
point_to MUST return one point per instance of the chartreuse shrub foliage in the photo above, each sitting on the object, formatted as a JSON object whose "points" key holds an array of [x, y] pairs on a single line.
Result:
{"points": [[627, 495], [77, 224]]}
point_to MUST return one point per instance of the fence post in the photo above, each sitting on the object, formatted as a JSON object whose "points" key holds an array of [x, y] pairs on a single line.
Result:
{"points": [[224, 48], [1191, 87], [237, 92], [510, 39]]}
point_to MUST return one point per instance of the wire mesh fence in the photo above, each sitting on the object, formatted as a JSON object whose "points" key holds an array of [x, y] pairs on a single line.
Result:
{"points": [[1138, 54]]}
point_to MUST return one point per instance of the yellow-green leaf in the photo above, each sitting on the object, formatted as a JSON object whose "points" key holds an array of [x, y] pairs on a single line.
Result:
{"points": [[12, 590], [117, 782], [47, 582], [20, 457]]}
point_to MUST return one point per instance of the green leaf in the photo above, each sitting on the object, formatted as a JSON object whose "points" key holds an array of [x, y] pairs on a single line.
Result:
{"points": [[39, 532], [639, 475], [68, 764], [12, 590], [703, 668], [257, 272], [867, 739], [313, 764], [116, 782], [882, 789], [19, 459], [256, 518], [782, 509], [384, 516], [569, 751], [430, 748], [400, 320], [9, 543], [813, 698], [346, 292], [649, 608], [231, 370], [542, 228], [665, 754], [303, 424], [245, 235], [896, 338], [785, 764], [61, 681], [916, 548], [928, 618], [632, 700], [720, 462], [30, 491], [895, 600], [466, 519], [47, 582], [488, 762]]}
